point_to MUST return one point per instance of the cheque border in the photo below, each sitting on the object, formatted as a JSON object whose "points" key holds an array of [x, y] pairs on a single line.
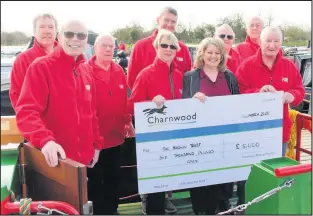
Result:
{"points": [[206, 131], [194, 172]]}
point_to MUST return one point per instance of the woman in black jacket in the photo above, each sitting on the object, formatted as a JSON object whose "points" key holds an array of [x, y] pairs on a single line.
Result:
{"points": [[209, 79]]}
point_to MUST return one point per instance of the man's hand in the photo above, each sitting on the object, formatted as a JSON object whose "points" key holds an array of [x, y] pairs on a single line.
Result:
{"points": [[288, 98], [268, 88], [159, 100], [95, 158], [200, 96], [129, 130], [50, 151]]}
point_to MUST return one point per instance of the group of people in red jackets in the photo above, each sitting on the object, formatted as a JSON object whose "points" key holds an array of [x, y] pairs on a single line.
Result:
{"points": [[71, 107]]}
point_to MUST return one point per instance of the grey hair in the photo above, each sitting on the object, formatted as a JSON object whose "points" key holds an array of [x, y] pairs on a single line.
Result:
{"points": [[255, 17], [45, 15], [226, 26], [270, 29], [170, 10], [103, 35], [166, 33]]}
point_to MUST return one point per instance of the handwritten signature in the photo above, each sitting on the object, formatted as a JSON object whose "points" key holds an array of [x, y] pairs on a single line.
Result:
{"points": [[256, 114]]}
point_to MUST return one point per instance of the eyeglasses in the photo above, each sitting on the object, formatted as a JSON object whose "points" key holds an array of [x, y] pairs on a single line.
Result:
{"points": [[165, 46], [79, 35], [229, 37]]}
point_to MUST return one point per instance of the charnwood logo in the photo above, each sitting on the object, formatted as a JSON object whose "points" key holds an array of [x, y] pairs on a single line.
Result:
{"points": [[154, 118]]}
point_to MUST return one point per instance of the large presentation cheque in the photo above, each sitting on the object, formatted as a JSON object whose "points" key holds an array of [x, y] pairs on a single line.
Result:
{"points": [[188, 144]]}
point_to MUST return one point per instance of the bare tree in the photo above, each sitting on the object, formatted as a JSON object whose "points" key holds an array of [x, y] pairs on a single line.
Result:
{"points": [[269, 19]]}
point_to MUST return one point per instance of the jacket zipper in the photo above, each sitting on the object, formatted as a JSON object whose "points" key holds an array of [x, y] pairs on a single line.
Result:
{"points": [[171, 83], [190, 86], [75, 82], [75, 73]]}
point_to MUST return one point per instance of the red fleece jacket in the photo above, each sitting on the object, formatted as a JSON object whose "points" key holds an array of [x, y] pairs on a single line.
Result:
{"points": [[57, 103], [233, 61], [111, 98], [252, 75], [20, 66], [247, 48], [143, 55], [156, 80]]}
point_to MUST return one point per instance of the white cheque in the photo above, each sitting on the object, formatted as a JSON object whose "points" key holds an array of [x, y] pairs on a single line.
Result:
{"points": [[189, 144]]}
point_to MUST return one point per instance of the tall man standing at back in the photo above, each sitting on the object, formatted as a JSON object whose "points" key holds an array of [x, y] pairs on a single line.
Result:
{"points": [[143, 53], [45, 30], [56, 111], [251, 45]]}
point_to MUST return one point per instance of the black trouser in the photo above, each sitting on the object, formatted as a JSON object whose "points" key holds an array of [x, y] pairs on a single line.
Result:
{"points": [[241, 192], [205, 199], [103, 181], [155, 203], [226, 194]]}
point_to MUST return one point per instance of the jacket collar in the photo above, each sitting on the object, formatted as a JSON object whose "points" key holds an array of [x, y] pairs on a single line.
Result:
{"points": [[259, 59], [99, 72], [38, 47], [154, 34], [162, 66], [249, 41], [59, 53]]}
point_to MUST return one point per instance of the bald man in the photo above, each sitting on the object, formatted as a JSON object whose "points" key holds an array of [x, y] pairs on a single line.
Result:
{"points": [[226, 33], [111, 96], [250, 46], [57, 106]]}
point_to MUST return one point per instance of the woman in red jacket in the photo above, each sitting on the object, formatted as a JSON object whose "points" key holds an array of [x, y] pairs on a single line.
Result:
{"points": [[111, 97], [158, 82]]}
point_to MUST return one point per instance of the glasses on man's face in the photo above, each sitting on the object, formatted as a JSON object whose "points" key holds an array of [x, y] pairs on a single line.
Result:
{"points": [[165, 46], [229, 37], [79, 35], [104, 46]]}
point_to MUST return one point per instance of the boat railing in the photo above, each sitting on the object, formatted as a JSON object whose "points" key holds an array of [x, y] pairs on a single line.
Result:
{"points": [[303, 121]]}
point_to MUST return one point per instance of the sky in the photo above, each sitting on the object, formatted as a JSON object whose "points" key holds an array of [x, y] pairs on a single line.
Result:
{"points": [[105, 16]]}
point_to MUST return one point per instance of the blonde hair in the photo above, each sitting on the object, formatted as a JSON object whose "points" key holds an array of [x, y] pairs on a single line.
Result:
{"points": [[170, 36], [219, 44]]}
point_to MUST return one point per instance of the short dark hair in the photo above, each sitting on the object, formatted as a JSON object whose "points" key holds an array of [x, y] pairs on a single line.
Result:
{"points": [[169, 10], [45, 15]]}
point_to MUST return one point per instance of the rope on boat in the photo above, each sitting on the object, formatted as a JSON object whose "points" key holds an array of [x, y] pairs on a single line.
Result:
{"points": [[127, 197], [130, 166], [25, 206]]}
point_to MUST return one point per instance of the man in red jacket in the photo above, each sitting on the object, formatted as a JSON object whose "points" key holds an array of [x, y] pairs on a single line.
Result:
{"points": [[122, 46], [56, 111], [269, 71], [45, 30], [249, 48], [111, 96], [143, 53], [226, 33]]}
